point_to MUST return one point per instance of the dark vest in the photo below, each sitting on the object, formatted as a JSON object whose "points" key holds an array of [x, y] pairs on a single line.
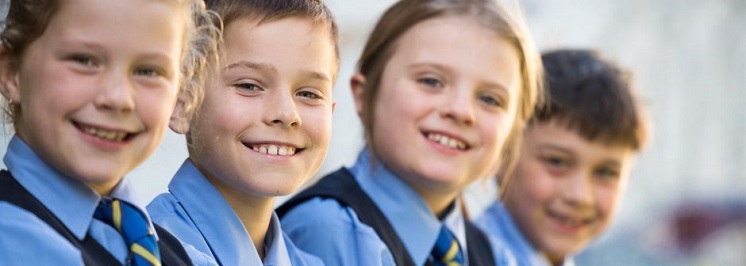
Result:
{"points": [[172, 252], [342, 187]]}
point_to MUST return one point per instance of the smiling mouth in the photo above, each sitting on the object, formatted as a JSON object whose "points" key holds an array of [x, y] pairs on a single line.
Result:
{"points": [[274, 149], [569, 221], [447, 141], [104, 134]]}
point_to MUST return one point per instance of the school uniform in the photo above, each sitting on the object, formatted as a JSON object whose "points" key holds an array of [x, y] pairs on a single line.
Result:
{"points": [[196, 212], [45, 216], [395, 228], [500, 226]]}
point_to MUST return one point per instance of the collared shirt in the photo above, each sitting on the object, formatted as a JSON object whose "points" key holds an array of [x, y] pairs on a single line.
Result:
{"points": [[499, 225], [196, 213], [334, 233], [27, 240]]}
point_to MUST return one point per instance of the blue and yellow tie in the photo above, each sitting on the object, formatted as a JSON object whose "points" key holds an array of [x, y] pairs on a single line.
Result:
{"points": [[134, 227], [447, 251]]}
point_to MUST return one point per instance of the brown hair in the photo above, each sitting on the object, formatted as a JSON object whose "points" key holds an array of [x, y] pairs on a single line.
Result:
{"points": [[405, 14], [28, 19], [593, 95], [261, 11]]}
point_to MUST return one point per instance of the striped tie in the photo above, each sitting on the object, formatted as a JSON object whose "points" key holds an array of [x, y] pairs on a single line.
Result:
{"points": [[134, 227], [446, 251]]}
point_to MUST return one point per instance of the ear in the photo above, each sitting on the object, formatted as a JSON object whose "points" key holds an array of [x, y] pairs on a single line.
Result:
{"points": [[358, 85], [179, 122], [9, 76]]}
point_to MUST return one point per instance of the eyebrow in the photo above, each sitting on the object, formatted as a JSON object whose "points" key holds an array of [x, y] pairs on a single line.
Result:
{"points": [[317, 75], [445, 68], [252, 65], [549, 146], [270, 68]]}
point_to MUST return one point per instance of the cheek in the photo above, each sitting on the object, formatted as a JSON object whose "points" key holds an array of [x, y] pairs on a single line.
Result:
{"points": [[533, 182], [317, 121], [608, 199]]}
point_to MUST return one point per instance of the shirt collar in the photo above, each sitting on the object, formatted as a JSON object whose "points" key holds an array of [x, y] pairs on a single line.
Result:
{"points": [[214, 217], [501, 218], [408, 213], [71, 201], [275, 249]]}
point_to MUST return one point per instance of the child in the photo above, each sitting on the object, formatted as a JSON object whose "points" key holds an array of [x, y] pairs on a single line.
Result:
{"points": [[438, 112], [262, 131], [91, 86], [574, 164]]}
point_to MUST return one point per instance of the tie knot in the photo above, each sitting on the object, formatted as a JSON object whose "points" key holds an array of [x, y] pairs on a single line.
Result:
{"points": [[133, 225], [447, 250]]}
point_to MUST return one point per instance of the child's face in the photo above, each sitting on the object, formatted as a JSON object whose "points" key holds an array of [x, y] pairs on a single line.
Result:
{"points": [[446, 104], [97, 88], [265, 124], [565, 189]]}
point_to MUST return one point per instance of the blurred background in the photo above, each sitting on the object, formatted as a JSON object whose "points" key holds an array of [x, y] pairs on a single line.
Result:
{"points": [[686, 202]]}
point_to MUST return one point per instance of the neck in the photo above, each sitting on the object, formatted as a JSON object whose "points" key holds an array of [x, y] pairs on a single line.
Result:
{"points": [[438, 202], [255, 213], [555, 260]]}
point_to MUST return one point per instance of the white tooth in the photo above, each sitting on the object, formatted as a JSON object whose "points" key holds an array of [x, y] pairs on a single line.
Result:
{"points": [[461, 146], [283, 151], [110, 135], [291, 151], [452, 143], [255, 148], [263, 149], [444, 141], [272, 150]]}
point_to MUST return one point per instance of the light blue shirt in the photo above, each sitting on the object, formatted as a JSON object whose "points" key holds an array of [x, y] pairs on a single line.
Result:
{"points": [[334, 233], [27, 240], [499, 225], [196, 213]]}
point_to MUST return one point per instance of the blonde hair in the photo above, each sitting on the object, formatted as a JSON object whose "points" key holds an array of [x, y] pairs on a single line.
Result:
{"points": [[405, 14], [28, 19]]}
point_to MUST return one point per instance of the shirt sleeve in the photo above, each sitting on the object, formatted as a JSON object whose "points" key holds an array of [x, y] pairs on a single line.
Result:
{"points": [[333, 233], [27, 240]]}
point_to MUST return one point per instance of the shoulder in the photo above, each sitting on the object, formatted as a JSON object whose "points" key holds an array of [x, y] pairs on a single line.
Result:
{"points": [[346, 240], [300, 257], [163, 205], [166, 211], [24, 236], [323, 213], [504, 256]]}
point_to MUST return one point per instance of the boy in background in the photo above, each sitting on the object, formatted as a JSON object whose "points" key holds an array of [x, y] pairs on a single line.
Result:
{"points": [[574, 164]]}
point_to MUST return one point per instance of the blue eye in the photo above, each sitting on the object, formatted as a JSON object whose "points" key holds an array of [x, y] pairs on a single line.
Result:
{"points": [[309, 94], [431, 82], [489, 100], [250, 87], [148, 72]]}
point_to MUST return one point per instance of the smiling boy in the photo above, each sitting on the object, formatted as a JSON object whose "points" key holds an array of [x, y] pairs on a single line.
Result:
{"points": [[574, 164]]}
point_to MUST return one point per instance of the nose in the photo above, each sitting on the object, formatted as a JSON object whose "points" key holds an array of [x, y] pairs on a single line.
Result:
{"points": [[458, 106], [117, 93], [282, 111], [577, 190]]}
